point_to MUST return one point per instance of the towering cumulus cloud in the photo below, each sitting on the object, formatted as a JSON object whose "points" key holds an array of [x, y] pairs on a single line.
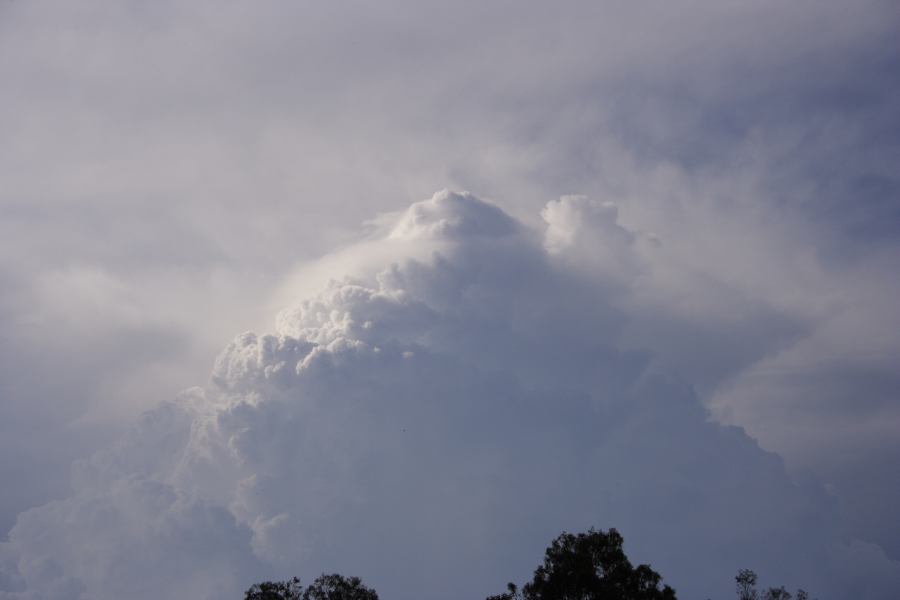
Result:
{"points": [[458, 394]]}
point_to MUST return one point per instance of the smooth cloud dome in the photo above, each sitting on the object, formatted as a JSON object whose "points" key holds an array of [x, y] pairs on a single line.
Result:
{"points": [[452, 215], [429, 423]]}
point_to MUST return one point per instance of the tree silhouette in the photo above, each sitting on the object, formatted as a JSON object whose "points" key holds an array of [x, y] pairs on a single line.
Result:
{"points": [[325, 587], [337, 587], [583, 566], [746, 585], [778, 593], [589, 566], [746, 589], [275, 590]]}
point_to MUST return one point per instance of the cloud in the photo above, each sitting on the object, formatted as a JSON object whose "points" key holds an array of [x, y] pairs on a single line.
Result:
{"points": [[124, 532], [449, 215], [571, 215], [429, 423], [182, 159]]}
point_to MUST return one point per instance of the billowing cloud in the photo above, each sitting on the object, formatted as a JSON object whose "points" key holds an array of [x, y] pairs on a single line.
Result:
{"points": [[430, 418], [166, 166]]}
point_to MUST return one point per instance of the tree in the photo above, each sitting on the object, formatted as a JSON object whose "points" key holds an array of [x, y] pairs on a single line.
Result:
{"points": [[746, 585], [746, 589], [325, 587], [589, 566], [275, 590], [337, 587], [778, 593]]}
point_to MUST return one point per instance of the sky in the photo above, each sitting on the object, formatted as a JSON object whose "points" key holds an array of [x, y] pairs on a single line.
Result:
{"points": [[405, 289]]}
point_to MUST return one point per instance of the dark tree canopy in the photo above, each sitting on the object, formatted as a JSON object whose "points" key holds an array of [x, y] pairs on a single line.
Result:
{"points": [[275, 590], [584, 566], [325, 587], [337, 587], [590, 566]]}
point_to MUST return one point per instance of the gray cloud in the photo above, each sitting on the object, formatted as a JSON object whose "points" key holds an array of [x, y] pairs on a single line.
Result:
{"points": [[164, 168], [446, 412]]}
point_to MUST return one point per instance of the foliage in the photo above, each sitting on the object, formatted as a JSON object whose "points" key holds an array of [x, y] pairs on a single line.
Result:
{"points": [[275, 590], [746, 589], [584, 566], [746, 585], [337, 587], [325, 587], [778, 594], [589, 566]]}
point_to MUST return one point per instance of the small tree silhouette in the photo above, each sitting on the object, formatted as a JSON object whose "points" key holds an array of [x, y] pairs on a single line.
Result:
{"points": [[325, 587], [778, 593], [746, 585], [338, 587], [589, 566], [275, 590], [746, 589]]}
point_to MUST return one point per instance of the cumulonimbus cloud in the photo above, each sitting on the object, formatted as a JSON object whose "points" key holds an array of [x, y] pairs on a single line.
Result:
{"points": [[429, 421]]}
